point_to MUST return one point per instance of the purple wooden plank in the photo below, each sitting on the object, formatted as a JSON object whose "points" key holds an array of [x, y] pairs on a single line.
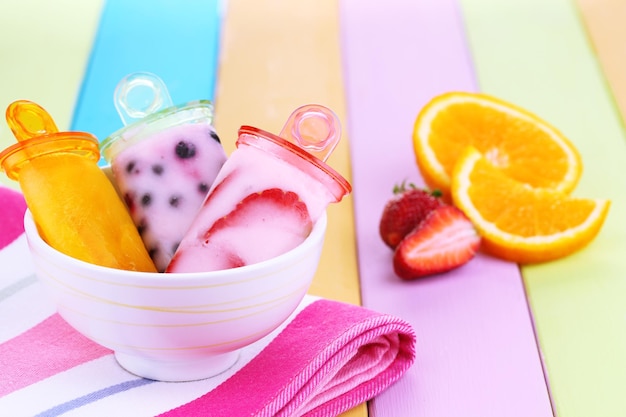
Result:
{"points": [[477, 354]]}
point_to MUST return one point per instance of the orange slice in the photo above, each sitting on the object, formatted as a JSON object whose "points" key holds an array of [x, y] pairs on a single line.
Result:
{"points": [[520, 223], [522, 145]]}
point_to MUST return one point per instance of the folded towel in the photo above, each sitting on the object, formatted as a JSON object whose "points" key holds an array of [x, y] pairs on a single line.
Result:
{"points": [[331, 357], [325, 359]]}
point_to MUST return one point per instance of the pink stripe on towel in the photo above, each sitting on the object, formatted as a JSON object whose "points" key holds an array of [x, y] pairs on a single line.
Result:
{"points": [[12, 208], [330, 358], [43, 351]]}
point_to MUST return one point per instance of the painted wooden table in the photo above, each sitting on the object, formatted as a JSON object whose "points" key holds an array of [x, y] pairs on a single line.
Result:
{"points": [[494, 338]]}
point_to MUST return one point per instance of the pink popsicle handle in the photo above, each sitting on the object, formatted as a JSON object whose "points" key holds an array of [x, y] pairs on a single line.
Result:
{"points": [[313, 128]]}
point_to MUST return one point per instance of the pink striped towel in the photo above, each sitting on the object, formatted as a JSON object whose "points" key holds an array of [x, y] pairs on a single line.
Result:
{"points": [[12, 208], [327, 358]]}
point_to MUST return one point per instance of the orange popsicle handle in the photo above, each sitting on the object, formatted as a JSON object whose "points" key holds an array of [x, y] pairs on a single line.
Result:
{"points": [[28, 120]]}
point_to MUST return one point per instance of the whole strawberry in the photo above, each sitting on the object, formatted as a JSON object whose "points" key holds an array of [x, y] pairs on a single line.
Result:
{"points": [[405, 210], [445, 240]]}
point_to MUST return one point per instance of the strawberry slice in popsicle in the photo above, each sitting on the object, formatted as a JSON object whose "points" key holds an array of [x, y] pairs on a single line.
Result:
{"points": [[271, 222]]}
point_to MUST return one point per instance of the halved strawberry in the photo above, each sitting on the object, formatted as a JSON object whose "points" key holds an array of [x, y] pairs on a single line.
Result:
{"points": [[405, 211], [445, 240]]}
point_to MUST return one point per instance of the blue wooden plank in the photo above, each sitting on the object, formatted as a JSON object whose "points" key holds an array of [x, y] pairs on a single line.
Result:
{"points": [[179, 44]]}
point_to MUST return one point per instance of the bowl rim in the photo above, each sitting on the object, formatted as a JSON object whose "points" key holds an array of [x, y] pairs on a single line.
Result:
{"points": [[32, 235]]}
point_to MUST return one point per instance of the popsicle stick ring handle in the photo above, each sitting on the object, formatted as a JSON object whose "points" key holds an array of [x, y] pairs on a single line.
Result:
{"points": [[29, 120], [313, 128], [140, 94]]}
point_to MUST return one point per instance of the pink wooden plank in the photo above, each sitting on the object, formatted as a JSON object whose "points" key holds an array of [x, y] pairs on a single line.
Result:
{"points": [[477, 354]]}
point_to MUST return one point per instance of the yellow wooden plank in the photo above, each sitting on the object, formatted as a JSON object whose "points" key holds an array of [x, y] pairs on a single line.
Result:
{"points": [[276, 56], [45, 49]]}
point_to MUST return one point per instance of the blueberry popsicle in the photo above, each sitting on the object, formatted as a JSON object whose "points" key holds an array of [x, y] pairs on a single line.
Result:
{"points": [[74, 205], [267, 195], [163, 162]]}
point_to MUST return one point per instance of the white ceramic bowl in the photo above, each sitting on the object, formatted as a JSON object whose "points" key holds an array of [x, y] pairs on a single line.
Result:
{"points": [[176, 327]]}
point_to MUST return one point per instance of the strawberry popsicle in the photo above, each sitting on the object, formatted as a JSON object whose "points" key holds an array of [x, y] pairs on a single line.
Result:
{"points": [[163, 163], [75, 206], [267, 195]]}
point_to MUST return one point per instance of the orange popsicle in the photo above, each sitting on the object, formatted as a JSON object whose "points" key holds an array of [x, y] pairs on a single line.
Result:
{"points": [[74, 205]]}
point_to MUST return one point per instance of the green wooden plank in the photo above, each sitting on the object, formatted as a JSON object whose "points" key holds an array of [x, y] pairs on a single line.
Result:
{"points": [[44, 48], [536, 54]]}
